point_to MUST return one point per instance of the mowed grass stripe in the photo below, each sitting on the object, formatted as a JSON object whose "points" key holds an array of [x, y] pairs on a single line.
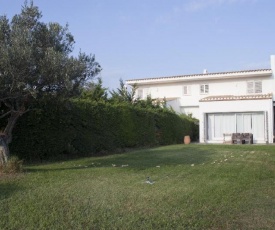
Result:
{"points": [[194, 187]]}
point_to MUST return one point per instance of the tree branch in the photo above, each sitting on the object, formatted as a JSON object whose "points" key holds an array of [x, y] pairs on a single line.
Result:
{"points": [[6, 114]]}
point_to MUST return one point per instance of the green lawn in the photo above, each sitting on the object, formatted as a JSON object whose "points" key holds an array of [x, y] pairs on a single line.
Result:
{"points": [[195, 187]]}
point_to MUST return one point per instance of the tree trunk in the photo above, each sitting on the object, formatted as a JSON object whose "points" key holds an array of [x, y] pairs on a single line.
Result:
{"points": [[6, 137], [4, 151]]}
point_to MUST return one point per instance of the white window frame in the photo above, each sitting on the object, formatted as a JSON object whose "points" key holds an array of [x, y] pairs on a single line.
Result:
{"points": [[143, 93], [254, 87], [186, 90], [204, 88]]}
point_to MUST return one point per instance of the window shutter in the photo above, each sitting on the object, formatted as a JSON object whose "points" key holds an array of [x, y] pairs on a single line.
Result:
{"points": [[185, 90], [258, 87], [206, 89], [202, 88], [250, 87]]}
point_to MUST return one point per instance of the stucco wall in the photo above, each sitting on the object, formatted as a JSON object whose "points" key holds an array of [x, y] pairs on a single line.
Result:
{"points": [[216, 87]]}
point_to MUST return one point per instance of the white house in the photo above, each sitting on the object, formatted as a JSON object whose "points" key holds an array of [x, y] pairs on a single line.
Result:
{"points": [[226, 102]]}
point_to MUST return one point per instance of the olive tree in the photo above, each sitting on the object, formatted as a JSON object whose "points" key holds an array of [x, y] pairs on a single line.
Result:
{"points": [[36, 61]]}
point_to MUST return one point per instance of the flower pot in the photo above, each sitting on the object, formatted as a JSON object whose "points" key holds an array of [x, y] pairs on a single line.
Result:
{"points": [[186, 140]]}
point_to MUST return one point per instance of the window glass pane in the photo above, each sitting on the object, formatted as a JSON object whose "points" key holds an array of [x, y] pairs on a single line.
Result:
{"points": [[206, 89], [250, 87], [202, 88], [229, 123], [247, 123], [185, 90], [258, 125], [258, 87], [210, 126], [239, 123], [224, 123], [218, 126]]}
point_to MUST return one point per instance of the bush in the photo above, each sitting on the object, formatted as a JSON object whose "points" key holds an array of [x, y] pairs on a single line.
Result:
{"points": [[14, 165], [172, 128], [82, 127], [193, 126]]}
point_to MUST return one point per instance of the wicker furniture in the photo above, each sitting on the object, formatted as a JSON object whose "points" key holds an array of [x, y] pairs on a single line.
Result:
{"points": [[242, 138]]}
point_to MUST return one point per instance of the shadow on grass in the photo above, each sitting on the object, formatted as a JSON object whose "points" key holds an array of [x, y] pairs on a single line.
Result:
{"points": [[141, 159], [175, 155], [7, 189]]}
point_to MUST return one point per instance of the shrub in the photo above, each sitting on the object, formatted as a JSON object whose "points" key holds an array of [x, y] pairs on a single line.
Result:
{"points": [[14, 165], [82, 127]]}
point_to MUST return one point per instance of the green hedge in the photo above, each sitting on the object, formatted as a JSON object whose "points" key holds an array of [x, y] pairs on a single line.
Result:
{"points": [[82, 127]]}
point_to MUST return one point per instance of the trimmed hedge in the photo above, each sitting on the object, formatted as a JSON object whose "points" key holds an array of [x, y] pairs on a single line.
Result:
{"points": [[82, 127]]}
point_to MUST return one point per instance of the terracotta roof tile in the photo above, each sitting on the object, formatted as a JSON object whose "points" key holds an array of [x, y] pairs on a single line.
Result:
{"points": [[203, 74], [237, 98]]}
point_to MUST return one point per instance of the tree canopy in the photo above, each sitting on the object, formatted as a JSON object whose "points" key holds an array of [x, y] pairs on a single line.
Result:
{"points": [[123, 95], [94, 91], [36, 61]]}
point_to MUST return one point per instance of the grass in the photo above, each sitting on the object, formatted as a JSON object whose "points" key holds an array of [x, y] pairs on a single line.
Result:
{"points": [[195, 187]]}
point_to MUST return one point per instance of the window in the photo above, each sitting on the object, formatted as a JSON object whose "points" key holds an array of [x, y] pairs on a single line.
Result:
{"points": [[204, 89], [254, 87], [143, 93], [140, 93], [146, 92], [258, 86], [186, 90], [220, 123]]}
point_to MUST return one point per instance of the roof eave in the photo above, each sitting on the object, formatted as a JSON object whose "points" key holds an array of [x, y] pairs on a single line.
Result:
{"points": [[237, 97], [202, 77]]}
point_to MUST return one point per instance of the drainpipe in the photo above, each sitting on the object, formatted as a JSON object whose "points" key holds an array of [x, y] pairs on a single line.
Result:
{"points": [[272, 64], [266, 125], [204, 128]]}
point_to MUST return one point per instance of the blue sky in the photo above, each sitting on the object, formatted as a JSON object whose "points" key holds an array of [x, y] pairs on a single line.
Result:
{"points": [[153, 38]]}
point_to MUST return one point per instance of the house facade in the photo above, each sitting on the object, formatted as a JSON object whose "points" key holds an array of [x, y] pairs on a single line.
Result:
{"points": [[224, 103]]}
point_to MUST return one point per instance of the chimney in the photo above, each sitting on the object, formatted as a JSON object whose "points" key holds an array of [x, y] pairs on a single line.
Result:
{"points": [[205, 71]]}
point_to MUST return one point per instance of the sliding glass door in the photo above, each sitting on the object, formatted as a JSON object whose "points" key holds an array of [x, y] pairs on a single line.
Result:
{"points": [[220, 123], [251, 123]]}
